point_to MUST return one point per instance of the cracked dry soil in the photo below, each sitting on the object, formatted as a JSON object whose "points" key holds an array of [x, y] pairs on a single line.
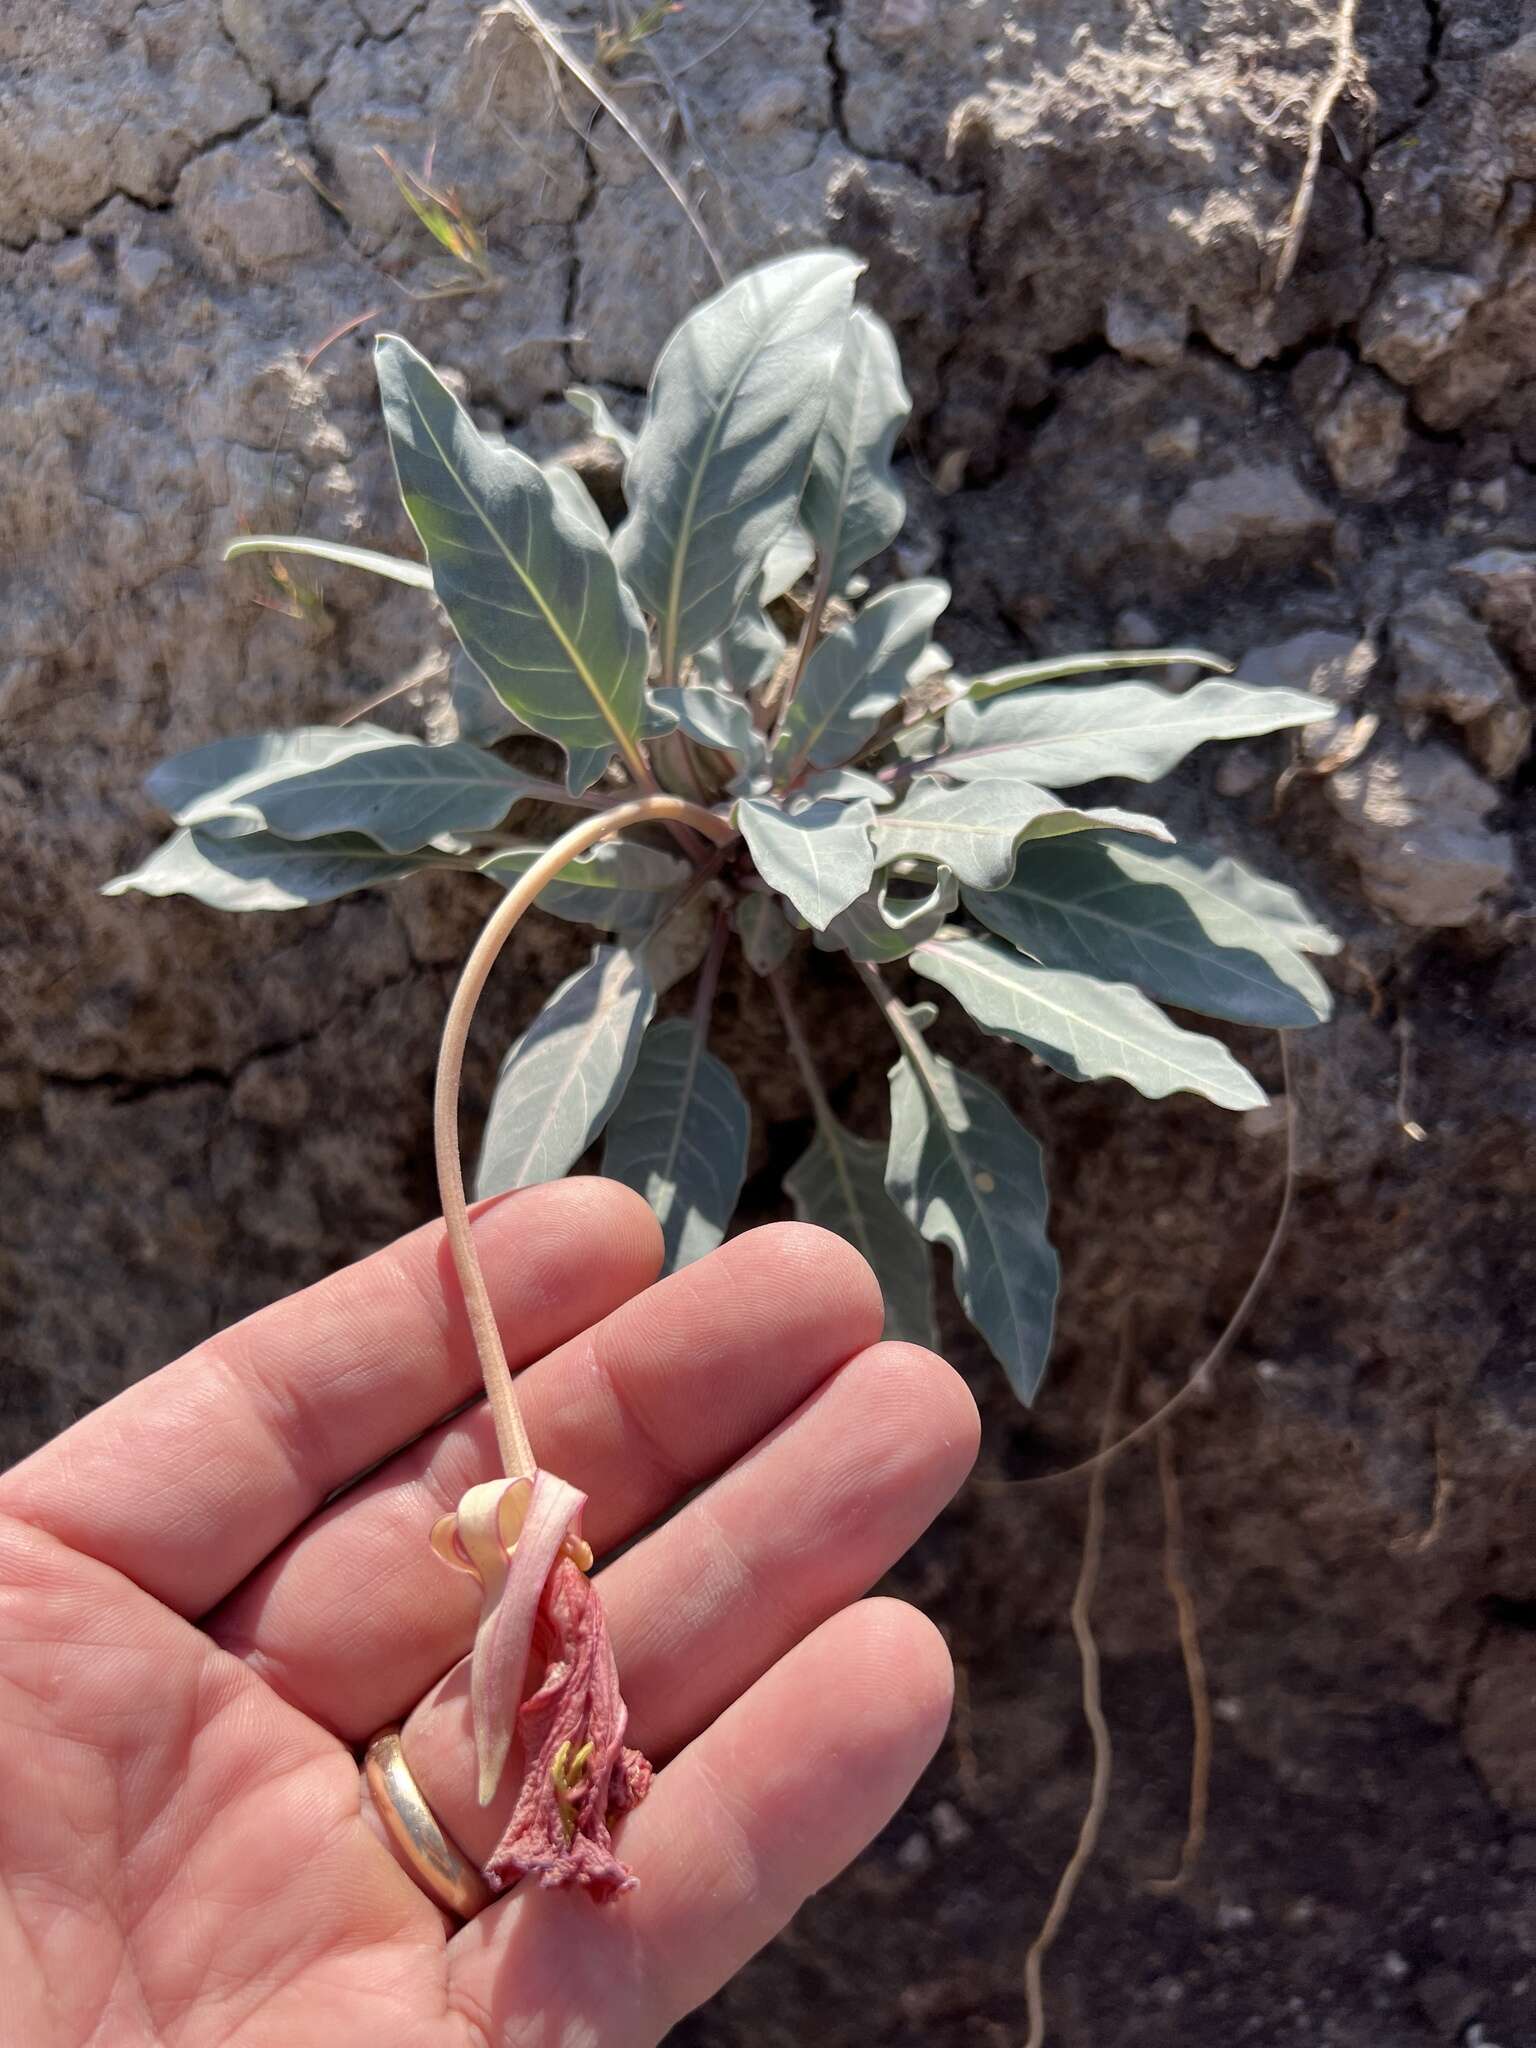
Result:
{"points": [[1072, 218]]}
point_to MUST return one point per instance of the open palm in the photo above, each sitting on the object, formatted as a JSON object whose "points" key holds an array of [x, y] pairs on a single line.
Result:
{"points": [[196, 1636]]}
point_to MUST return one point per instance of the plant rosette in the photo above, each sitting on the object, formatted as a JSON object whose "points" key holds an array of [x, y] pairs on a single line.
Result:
{"points": [[743, 720]]}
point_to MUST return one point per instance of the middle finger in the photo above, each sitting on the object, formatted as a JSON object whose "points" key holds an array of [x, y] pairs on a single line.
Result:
{"points": [[355, 1617]]}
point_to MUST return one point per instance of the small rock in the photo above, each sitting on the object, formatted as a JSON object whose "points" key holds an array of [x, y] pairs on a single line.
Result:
{"points": [[140, 269], [1318, 379], [1501, 586], [1364, 434], [1448, 2000], [1143, 333], [949, 1824], [1494, 496], [899, 20], [915, 1854], [1500, 1713], [1333, 665], [73, 261], [1177, 444], [1412, 819], [1240, 771], [1395, 1968], [1446, 665], [1259, 505], [1135, 628], [775, 103], [1414, 319], [1232, 1918]]}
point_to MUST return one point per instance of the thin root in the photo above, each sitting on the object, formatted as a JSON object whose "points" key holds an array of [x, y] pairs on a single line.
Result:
{"points": [[1346, 70], [1093, 1714], [1194, 1667]]}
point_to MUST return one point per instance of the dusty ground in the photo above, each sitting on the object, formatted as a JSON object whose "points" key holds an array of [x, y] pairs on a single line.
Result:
{"points": [[1075, 218]]}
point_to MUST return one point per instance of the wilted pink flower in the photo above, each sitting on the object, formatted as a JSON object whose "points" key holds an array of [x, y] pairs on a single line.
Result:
{"points": [[578, 1772], [522, 1541]]}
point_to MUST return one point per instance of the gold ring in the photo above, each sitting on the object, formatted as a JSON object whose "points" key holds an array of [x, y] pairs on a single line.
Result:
{"points": [[439, 1867]]}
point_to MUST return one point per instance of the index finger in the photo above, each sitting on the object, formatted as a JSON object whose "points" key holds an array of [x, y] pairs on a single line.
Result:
{"points": [[186, 1481]]}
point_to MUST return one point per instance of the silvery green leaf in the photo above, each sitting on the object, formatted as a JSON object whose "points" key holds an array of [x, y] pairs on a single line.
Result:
{"points": [[577, 500], [975, 830], [856, 676], [530, 590], [182, 781], [968, 1175], [820, 858], [598, 412], [844, 785], [1060, 737], [744, 655], [1085, 1028], [680, 1139], [478, 712], [1183, 925], [838, 1182], [917, 742], [258, 871], [620, 886], [785, 563], [713, 719], [564, 1077], [766, 935], [395, 567], [317, 782], [852, 503], [883, 925], [735, 404], [1059, 668]]}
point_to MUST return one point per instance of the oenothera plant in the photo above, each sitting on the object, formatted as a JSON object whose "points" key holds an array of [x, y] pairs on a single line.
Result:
{"points": [[719, 659]]}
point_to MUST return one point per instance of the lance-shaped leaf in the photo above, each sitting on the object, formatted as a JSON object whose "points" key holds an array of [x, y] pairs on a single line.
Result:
{"points": [[887, 925], [744, 655], [715, 719], [735, 404], [843, 785], [183, 781], [856, 675], [1057, 668], [320, 781], [258, 871], [479, 714], [529, 588], [852, 503], [968, 1175], [1186, 926], [785, 563], [1085, 1028], [577, 500], [395, 567], [751, 647], [565, 1076], [766, 934], [820, 858], [680, 1139], [839, 1183], [620, 886], [1060, 737], [975, 830], [599, 415]]}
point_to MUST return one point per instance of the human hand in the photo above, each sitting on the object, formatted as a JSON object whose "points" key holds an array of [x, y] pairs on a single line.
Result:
{"points": [[194, 1641]]}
